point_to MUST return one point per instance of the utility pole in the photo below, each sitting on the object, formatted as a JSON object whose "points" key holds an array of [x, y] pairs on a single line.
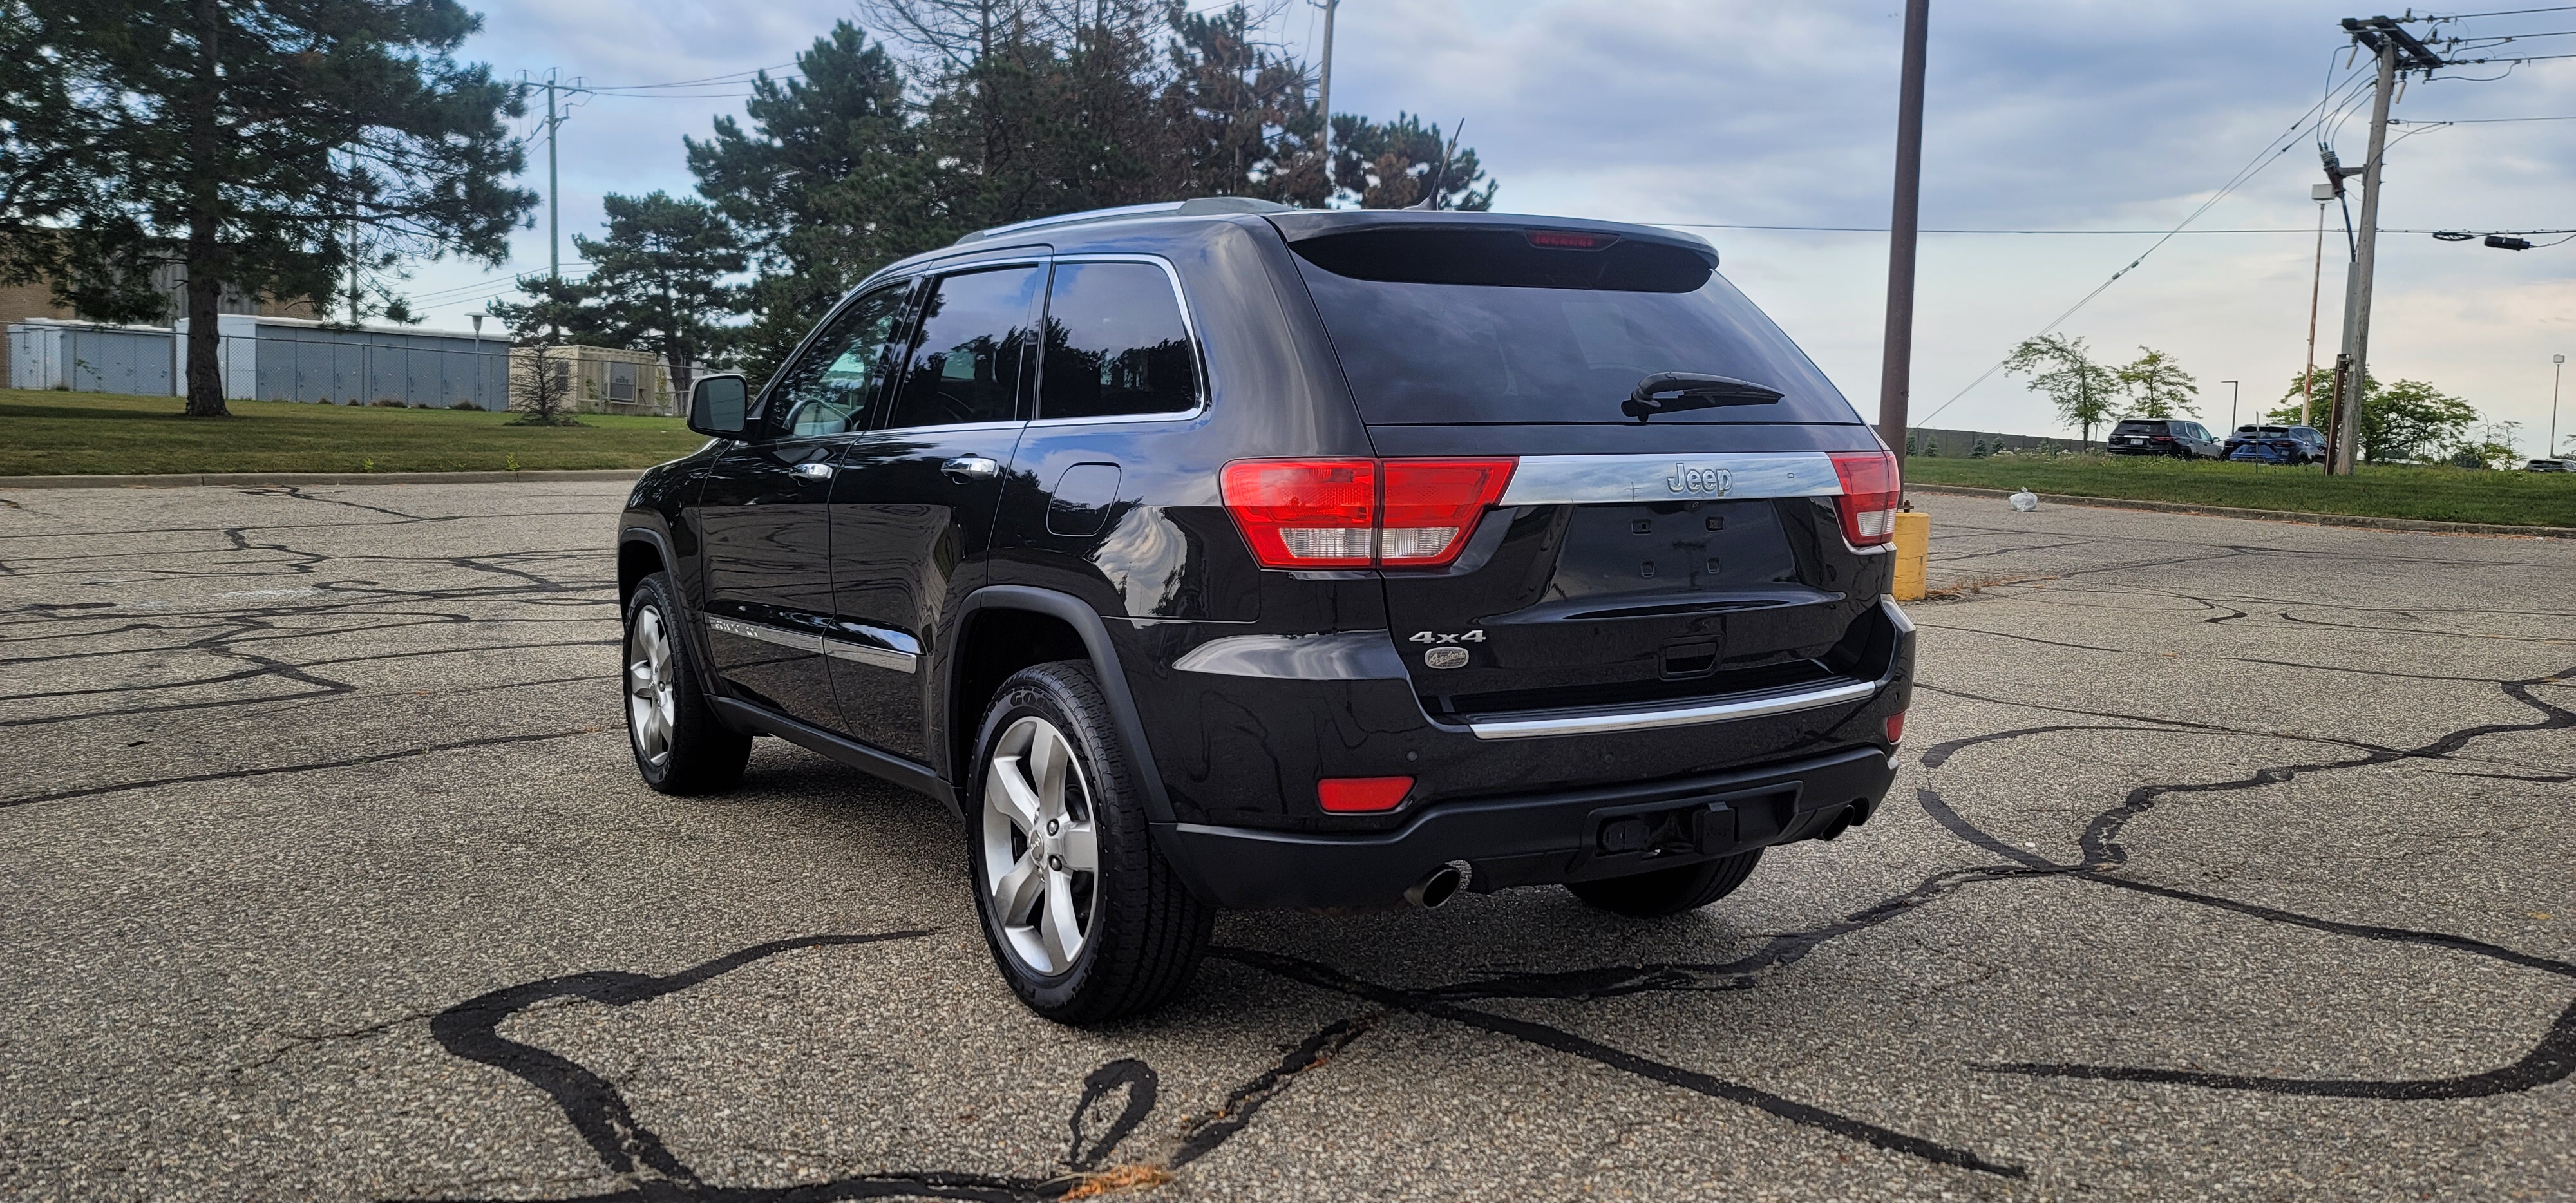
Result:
{"points": [[2557, 369], [1896, 370], [2385, 38], [1324, 99], [555, 202], [2235, 388]]}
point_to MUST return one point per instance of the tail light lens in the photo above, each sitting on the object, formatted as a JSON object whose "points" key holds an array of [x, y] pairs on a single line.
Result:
{"points": [[1870, 493], [1305, 513], [1361, 795], [1432, 505], [1354, 513]]}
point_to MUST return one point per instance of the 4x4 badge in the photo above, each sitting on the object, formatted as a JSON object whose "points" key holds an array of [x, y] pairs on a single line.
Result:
{"points": [[1687, 479]]}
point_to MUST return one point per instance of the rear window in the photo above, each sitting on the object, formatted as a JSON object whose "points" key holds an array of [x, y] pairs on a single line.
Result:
{"points": [[1488, 326], [2141, 428]]}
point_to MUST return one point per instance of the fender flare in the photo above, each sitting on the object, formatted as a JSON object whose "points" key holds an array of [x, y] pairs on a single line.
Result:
{"points": [[1094, 630]]}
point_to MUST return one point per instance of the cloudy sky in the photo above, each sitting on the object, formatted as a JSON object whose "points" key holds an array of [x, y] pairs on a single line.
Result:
{"points": [[2058, 115]]}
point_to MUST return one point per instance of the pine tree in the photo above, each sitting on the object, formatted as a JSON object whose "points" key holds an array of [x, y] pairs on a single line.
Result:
{"points": [[656, 282], [250, 140]]}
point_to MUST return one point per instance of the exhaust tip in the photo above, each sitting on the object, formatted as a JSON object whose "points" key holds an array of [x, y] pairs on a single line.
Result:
{"points": [[1438, 886]]}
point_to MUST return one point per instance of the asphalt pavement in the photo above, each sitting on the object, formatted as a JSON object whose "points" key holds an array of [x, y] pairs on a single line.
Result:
{"points": [[2229, 861]]}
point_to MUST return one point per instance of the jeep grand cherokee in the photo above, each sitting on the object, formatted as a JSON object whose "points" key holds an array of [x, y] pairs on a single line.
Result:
{"points": [[1223, 555]]}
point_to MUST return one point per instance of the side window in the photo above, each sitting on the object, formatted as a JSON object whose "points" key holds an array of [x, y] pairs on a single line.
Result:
{"points": [[1115, 344], [964, 365], [828, 388]]}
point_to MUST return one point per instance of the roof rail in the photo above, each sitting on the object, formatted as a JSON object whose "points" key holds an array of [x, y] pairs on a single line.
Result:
{"points": [[1204, 206]]}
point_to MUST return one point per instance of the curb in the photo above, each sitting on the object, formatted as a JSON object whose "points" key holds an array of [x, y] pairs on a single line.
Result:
{"points": [[2301, 516], [183, 480]]}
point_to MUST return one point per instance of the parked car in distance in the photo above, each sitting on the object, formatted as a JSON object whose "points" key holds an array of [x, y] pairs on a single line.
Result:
{"points": [[1225, 555], [2550, 465], [2276, 445], [2180, 438]]}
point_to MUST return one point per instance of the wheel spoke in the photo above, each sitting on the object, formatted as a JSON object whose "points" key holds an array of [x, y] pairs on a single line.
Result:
{"points": [[1062, 936], [1017, 893], [639, 679], [1046, 771], [1007, 789], [1081, 848]]}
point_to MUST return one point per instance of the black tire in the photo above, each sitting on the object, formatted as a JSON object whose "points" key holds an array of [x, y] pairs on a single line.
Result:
{"points": [[697, 754], [1145, 931], [1664, 892]]}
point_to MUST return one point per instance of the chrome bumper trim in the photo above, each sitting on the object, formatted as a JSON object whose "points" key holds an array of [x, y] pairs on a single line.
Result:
{"points": [[803, 641], [1623, 479], [1597, 723]]}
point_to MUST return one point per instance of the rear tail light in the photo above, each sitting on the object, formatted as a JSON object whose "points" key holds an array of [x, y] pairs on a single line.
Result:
{"points": [[1361, 795], [1353, 513], [1432, 505], [1870, 492], [1305, 513]]}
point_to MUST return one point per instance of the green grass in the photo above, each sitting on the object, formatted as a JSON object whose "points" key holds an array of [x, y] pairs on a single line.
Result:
{"points": [[57, 433], [2439, 494]]}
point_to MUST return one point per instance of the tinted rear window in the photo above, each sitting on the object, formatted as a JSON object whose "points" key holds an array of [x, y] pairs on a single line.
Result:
{"points": [[2141, 428], [1438, 329]]}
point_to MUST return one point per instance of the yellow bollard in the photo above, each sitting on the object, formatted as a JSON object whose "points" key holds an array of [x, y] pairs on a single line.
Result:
{"points": [[1913, 546]]}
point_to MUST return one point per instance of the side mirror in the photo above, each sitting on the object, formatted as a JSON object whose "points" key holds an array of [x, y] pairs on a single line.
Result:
{"points": [[716, 406]]}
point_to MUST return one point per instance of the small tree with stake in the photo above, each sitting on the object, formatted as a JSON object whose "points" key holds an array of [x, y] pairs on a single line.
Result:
{"points": [[542, 382], [2059, 367]]}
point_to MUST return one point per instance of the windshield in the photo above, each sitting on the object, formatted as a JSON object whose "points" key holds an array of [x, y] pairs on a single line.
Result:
{"points": [[1443, 353]]}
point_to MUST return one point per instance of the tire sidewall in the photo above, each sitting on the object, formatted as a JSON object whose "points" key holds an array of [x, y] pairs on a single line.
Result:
{"points": [[649, 595], [1107, 787]]}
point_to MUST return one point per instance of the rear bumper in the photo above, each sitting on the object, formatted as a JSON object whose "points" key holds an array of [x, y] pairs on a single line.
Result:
{"points": [[1538, 839]]}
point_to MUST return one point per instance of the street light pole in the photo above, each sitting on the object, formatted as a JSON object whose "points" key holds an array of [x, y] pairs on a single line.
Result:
{"points": [[2234, 388], [2558, 368], [1897, 367]]}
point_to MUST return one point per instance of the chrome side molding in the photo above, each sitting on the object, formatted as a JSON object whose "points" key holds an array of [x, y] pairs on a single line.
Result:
{"points": [[805, 641], [1598, 722]]}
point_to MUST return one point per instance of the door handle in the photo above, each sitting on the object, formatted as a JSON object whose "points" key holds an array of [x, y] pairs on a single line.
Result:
{"points": [[812, 471], [971, 467]]}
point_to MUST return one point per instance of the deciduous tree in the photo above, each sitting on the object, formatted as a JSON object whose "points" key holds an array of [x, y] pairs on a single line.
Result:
{"points": [[2062, 370], [2157, 386]]}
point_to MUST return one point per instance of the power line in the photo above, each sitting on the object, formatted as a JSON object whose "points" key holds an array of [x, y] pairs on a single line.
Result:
{"points": [[1708, 225], [2477, 120], [2271, 151], [2510, 12]]}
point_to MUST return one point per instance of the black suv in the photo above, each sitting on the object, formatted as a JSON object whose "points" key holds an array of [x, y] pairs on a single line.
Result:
{"points": [[2277, 445], [2162, 436], [1223, 555]]}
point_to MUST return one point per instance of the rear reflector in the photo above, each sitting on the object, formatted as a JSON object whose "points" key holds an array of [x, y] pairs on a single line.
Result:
{"points": [[1362, 795], [1353, 513], [1870, 492], [1896, 728]]}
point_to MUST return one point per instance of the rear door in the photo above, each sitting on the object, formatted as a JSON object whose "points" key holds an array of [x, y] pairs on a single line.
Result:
{"points": [[1670, 527], [913, 503]]}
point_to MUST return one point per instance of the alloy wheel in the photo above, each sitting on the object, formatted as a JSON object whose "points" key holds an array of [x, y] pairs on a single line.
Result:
{"points": [[651, 708], [1041, 863]]}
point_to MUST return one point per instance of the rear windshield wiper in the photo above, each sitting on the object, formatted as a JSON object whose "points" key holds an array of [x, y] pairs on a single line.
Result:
{"points": [[1673, 392]]}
